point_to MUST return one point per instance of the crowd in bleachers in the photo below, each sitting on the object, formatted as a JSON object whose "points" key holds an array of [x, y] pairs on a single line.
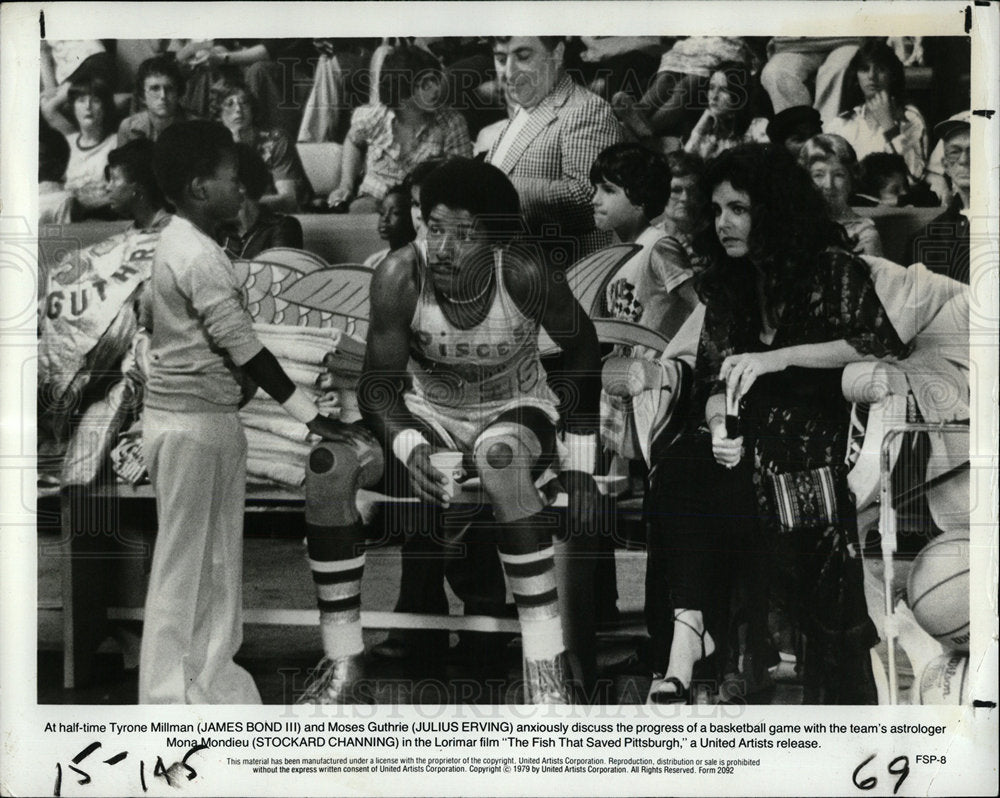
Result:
{"points": [[389, 104], [702, 153]]}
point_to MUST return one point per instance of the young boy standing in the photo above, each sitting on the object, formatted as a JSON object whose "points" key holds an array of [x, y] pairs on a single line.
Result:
{"points": [[203, 349]]}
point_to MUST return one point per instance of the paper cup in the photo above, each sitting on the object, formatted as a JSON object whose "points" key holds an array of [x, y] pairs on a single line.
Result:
{"points": [[449, 464]]}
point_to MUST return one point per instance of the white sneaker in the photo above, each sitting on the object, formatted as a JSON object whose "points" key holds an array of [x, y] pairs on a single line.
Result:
{"points": [[338, 681], [546, 681]]}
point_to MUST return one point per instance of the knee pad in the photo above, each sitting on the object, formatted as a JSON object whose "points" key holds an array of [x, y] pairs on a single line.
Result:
{"points": [[332, 475], [505, 455]]}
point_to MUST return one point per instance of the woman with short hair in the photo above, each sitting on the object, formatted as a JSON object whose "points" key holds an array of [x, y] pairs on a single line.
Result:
{"points": [[833, 168]]}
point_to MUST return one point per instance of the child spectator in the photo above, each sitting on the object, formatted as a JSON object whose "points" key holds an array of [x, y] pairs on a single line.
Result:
{"points": [[159, 86], [833, 167], [883, 180], [408, 125], [653, 288], [793, 127], [257, 227], [202, 349], [133, 192], [236, 108], [91, 136], [394, 223]]}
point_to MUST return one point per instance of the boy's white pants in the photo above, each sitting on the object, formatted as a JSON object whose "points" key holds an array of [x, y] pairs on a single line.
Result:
{"points": [[194, 607]]}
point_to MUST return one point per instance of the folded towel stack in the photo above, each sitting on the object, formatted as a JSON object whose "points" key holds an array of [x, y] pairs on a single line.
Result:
{"points": [[325, 364]]}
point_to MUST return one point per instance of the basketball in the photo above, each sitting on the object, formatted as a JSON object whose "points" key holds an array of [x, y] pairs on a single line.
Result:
{"points": [[938, 589], [944, 680]]}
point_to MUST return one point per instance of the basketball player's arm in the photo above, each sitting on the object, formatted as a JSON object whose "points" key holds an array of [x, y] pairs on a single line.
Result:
{"points": [[384, 376], [576, 380]]}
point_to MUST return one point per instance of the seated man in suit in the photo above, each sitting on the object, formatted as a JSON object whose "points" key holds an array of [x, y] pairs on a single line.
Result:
{"points": [[557, 131]]}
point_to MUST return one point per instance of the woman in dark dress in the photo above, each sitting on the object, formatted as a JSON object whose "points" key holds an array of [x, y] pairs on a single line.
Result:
{"points": [[786, 307]]}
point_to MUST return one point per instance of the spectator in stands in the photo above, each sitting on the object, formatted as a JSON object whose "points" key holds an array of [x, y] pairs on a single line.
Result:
{"points": [[547, 148], [260, 64], [678, 88], [794, 126], [883, 180], [74, 60], [408, 125], [875, 116], [833, 167], [728, 120], [133, 192], [610, 64], [55, 203], [257, 227], [642, 408], [236, 108], [395, 225], [686, 213], [787, 307], [943, 245], [91, 136], [653, 288], [159, 85], [793, 61], [415, 180]]}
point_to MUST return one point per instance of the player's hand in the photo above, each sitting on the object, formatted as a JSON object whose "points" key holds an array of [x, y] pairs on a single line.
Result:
{"points": [[336, 431], [584, 502], [741, 371], [426, 481]]}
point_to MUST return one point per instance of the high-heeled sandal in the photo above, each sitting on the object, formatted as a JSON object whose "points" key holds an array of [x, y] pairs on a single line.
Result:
{"points": [[681, 693]]}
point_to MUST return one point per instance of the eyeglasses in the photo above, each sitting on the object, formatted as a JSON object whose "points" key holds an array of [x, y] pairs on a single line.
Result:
{"points": [[954, 155]]}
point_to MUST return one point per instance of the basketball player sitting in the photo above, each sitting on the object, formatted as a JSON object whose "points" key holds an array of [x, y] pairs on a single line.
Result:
{"points": [[452, 363]]}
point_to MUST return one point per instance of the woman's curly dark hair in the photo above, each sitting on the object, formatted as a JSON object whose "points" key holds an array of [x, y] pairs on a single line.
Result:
{"points": [[790, 227], [643, 175], [877, 52]]}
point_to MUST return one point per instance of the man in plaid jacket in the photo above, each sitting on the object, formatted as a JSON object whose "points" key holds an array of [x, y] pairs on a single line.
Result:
{"points": [[548, 146]]}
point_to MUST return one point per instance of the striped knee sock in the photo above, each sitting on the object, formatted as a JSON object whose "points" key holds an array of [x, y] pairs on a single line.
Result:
{"points": [[532, 580], [335, 540], [338, 594]]}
